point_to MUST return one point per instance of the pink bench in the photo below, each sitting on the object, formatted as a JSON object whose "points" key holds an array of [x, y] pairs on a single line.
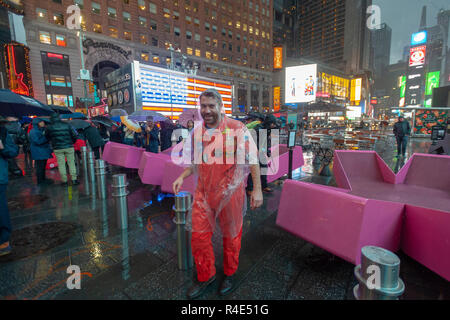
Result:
{"points": [[280, 166], [421, 189], [338, 222], [122, 155]]}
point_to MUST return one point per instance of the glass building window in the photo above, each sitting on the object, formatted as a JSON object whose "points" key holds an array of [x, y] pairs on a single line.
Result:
{"points": [[208, 55], [112, 13], [152, 7], [166, 13], [126, 16], [188, 35], [176, 15], [141, 5], [197, 37], [127, 35], [207, 41], [97, 28], [61, 40], [154, 41], [144, 56], [188, 19], [44, 37], [176, 31], [41, 14], [79, 3], [113, 32], [198, 53], [142, 22], [197, 22], [143, 39], [153, 24], [207, 26], [166, 27], [189, 51], [95, 7], [155, 58], [58, 18]]}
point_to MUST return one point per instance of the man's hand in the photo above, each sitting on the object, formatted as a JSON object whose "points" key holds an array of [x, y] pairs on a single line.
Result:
{"points": [[177, 185], [256, 199]]}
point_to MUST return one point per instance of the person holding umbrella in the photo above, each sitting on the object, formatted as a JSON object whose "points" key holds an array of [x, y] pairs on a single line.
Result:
{"points": [[40, 150], [62, 137], [7, 150], [151, 136]]}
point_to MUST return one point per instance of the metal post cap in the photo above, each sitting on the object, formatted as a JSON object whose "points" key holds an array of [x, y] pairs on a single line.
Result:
{"points": [[183, 201], [83, 149], [119, 180], [387, 261]]}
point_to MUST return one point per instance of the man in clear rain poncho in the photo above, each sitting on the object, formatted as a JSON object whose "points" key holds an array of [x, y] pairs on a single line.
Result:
{"points": [[223, 152]]}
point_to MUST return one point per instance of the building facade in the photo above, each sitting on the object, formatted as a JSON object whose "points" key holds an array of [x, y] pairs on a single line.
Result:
{"points": [[381, 48], [226, 40]]}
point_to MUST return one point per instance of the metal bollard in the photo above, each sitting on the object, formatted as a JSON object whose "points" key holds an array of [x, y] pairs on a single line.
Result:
{"points": [[91, 163], [382, 266], [183, 202], [84, 159], [100, 172], [120, 194]]}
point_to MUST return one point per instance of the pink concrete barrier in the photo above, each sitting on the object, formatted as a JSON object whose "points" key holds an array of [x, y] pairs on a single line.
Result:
{"points": [[339, 222], [279, 167], [426, 238], [151, 168], [122, 155], [171, 172]]}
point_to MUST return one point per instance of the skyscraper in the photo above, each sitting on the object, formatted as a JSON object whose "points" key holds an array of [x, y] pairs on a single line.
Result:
{"points": [[381, 48], [335, 33], [284, 21]]}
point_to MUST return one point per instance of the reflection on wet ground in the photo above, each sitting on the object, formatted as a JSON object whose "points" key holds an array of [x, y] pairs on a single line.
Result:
{"points": [[141, 262]]}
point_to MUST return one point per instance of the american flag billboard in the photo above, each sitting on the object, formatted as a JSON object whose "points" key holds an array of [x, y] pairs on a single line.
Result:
{"points": [[170, 92]]}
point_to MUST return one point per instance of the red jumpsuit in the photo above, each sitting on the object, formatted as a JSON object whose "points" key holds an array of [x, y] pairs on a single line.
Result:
{"points": [[220, 193]]}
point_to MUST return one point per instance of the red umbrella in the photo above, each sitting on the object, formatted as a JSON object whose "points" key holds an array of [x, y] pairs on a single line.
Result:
{"points": [[189, 114]]}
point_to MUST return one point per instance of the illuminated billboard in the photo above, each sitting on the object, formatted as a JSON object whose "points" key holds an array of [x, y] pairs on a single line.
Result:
{"points": [[171, 92], [18, 71], [432, 82], [276, 99], [419, 38], [417, 56], [278, 57], [138, 86], [356, 87], [301, 84], [332, 86]]}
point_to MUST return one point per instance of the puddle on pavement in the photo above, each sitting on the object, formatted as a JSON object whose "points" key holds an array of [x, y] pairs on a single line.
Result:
{"points": [[37, 239], [21, 203]]}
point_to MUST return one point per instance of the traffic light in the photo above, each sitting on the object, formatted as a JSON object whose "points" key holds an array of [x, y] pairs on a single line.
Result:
{"points": [[91, 87]]}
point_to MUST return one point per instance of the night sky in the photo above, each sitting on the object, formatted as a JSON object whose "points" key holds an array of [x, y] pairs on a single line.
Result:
{"points": [[403, 16]]}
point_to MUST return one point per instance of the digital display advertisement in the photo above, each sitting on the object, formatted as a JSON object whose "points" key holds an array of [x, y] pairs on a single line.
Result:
{"points": [[170, 92], [301, 84], [419, 38], [432, 82], [417, 56], [278, 57], [426, 119], [356, 87], [276, 99]]}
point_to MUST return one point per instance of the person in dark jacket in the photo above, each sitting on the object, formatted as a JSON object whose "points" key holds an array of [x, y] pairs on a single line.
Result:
{"points": [[117, 134], [62, 137], [269, 123], [26, 147], [402, 130], [40, 150], [7, 150], [166, 135], [151, 137], [95, 140], [17, 135]]}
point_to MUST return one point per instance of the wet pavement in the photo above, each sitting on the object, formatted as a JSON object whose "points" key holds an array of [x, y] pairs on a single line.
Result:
{"points": [[141, 262]]}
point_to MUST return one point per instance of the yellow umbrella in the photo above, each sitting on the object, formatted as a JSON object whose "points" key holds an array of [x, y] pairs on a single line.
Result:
{"points": [[130, 124]]}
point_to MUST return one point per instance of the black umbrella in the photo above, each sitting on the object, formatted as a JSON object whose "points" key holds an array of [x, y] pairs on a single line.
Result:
{"points": [[16, 105], [79, 124], [104, 120], [60, 109]]}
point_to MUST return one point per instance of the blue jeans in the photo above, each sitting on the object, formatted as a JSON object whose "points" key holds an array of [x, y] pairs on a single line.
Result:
{"points": [[402, 142], [128, 141], [5, 221]]}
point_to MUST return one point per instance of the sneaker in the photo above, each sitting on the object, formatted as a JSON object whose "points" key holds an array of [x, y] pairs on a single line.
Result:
{"points": [[227, 285], [5, 251], [198, 288]]}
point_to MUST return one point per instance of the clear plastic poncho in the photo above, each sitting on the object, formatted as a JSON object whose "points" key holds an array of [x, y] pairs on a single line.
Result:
{"points": [[221, 160]]}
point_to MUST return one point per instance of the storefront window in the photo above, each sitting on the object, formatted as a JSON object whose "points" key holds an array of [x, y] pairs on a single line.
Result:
{"points": [[60, 100], [113, 32], [44, 37], [61, 40], [97, 28]]}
